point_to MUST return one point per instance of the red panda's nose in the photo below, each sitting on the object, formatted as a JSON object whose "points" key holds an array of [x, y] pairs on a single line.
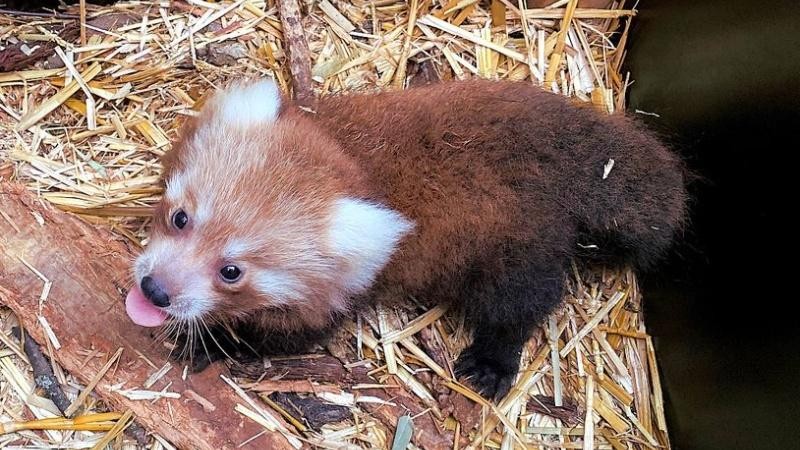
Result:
{"points": [[153, 291]]}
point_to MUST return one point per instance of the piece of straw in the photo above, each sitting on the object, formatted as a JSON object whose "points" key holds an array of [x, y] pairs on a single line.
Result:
{"points": [[90, 387], [55, 101], [88, 422]]}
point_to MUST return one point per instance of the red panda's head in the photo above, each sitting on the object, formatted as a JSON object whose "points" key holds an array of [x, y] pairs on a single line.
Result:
{"points": [[262, 214]]}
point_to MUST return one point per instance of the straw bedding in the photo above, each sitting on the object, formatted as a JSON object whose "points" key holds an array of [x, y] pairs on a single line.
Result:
{"points": [[87, 106]]}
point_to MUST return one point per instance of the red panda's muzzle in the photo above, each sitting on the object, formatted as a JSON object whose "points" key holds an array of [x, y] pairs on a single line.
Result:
{"points": [[142, 311]]}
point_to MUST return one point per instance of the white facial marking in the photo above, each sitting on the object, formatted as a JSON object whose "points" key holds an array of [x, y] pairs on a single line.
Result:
{"points": [[195, 295], [156, 252], [282, 286], [236, 248], [366, 234], [203, 211], [140, 267], [195, 301], [175, 192], [176, 186], [250, 104]]}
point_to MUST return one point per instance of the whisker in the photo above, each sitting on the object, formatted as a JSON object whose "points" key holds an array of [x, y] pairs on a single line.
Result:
{"points": [[195, 323], [203, 322], [234, 337], [189, 348]]}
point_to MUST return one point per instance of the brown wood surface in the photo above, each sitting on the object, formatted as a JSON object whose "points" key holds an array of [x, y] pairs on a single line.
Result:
{"points": [[89, 269], [297, 47], [329, 371]]}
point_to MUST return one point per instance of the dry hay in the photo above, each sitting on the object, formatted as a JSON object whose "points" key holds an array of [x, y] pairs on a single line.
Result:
{"points": [[87, 138]]}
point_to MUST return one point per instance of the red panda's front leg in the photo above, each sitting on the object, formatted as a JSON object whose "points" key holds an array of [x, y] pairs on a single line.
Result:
{"points": [[505, 300]]}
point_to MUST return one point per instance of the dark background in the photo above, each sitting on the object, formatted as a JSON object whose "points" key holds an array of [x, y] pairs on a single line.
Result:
{"points": [[724, 76]]}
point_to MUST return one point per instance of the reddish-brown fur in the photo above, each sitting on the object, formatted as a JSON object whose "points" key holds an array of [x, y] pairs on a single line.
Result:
{"points": [[321, 175], [477, 164], [503, 182]]}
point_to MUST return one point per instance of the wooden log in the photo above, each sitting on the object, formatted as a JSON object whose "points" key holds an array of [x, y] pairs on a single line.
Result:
{"points": [[398, 401], [88, 268]]}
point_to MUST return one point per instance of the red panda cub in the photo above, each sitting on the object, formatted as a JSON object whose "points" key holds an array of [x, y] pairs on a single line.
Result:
{"points": [[277, 220]]}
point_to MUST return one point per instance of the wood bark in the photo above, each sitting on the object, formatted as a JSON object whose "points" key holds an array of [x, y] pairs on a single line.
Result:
{"points": [[297, 48]]}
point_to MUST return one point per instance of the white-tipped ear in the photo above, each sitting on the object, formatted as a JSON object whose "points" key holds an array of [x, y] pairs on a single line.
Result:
{"points": [[365, 234], [250, 104]]}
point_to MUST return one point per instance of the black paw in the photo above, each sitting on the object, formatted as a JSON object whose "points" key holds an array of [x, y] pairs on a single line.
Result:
{"points": [[491, 375]]}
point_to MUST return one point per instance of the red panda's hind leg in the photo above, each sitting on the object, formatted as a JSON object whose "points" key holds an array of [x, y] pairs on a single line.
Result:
{"points": [[504, 303]]}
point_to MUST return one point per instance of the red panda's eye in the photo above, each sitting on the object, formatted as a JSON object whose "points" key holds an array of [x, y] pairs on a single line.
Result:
{"points": [[230, 274], [180, 219]]}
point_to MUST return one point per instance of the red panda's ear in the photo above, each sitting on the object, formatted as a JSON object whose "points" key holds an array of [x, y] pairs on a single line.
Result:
{"points": [[247, 104], [365, 236]]}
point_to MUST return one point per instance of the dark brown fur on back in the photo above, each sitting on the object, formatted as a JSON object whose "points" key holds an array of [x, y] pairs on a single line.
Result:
{"points": [[479, 164]]}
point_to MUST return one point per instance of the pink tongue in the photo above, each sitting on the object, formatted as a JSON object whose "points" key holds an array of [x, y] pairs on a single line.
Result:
{"points": [[142, 311]]}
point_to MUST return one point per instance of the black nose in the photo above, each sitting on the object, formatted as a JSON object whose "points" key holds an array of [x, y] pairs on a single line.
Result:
{"points": [[154, 293]]}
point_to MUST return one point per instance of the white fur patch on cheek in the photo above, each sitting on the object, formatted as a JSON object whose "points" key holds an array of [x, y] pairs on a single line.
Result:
{"points": [[250, 104], [366, 235], [281, 286]]}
